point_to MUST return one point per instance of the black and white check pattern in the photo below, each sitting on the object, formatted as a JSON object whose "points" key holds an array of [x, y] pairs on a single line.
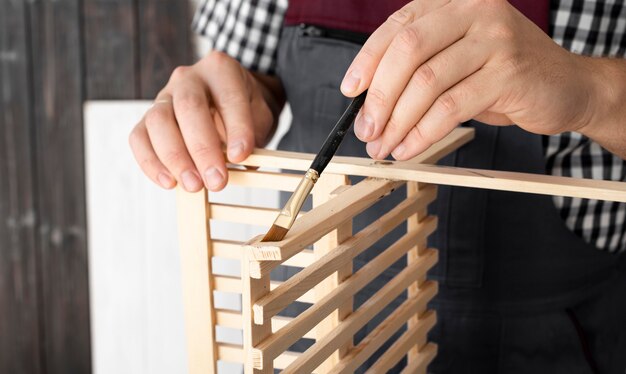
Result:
{"points": [[249, 30]]}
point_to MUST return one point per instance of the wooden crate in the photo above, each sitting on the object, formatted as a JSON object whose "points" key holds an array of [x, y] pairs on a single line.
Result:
{"points": [[327, 280]]}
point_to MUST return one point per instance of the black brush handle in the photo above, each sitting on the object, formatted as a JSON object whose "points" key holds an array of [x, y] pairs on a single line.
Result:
{"points": [[336, 136]]}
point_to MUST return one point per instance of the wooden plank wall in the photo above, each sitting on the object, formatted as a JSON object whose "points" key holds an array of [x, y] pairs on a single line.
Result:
{"points": [[54, 55]]}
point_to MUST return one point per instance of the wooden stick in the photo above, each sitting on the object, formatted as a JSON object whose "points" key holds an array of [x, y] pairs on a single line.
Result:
{"points": [[233, 250], [298, 284], [234, 353], [195, 254], [451, 176], [234, 320], [424, 358], [243, 214], [313, 356], [323, 219], [375, 339], [288, 335], [327, 188], [226, 283], [253, 334], [404, 343], [263, 179]]}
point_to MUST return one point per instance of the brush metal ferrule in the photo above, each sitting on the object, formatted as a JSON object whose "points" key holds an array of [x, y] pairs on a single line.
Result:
{"points": [[291, 209]]}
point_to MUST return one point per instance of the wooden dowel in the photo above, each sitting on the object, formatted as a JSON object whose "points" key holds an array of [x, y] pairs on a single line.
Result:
{"points": [[308, 277], [262, 179], [401, 346], [314, 356], [385, 330], [234, 320], [424, 358], [286, 336], [451, 176], [323, 219]]}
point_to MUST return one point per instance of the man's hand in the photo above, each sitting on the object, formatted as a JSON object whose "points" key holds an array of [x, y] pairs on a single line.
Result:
{"points": [[434, 64], [213, 103]]}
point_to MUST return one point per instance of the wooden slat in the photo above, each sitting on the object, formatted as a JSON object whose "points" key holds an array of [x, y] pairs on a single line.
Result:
{"points": [[385, 330], [326, 188], [452, 176], [253, 334], [323, 219], [224, 283], [234, 353], [424, 358], [263, 179], [198, 285], [243, 214], [304, 322], [233, 320], [314, 356], [306, 279], [403, 344], [233, 249]]}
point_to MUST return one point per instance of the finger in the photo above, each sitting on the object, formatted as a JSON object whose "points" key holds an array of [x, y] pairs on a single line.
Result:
{"points": [[427, 83], [147, 159], [474, 95], [199, 134], [411, 47], [230, 92], [169, 146], [359, 74]]}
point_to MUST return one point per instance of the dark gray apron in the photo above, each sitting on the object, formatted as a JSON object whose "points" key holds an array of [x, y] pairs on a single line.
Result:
{"points": [[511, 274]]}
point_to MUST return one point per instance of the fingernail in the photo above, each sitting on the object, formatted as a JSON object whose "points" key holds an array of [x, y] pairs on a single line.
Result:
{"points": [[214, 178], [165, 180], [364, 127], [399, 151], [373, 148], [235, 150], [351, 82], [191, 182]]}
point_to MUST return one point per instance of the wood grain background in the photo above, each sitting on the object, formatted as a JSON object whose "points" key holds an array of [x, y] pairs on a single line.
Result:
{"points": [[54, 55]]}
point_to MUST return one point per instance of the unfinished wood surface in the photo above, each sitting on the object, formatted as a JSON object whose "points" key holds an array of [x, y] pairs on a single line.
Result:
{"points": [[304, 322], [412, 189], [404, 343], [253, 334], [233, 250], [315, 224], [234, 320], [451, 176], [314, 356], [243, 214], [383, 332], [328, 187], [235, 353], [424, 358], [343, 254], [263, 179], [225, 283], [195, 254]]}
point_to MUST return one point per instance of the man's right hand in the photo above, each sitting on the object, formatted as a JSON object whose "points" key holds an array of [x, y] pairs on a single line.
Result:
{"points": [[203, 107]]}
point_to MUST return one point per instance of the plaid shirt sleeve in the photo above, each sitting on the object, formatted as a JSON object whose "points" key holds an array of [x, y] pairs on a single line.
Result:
{"points": [[247, 30]]}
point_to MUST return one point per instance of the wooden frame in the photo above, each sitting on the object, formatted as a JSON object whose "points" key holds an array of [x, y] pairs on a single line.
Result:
{"points": [[326, 279]]}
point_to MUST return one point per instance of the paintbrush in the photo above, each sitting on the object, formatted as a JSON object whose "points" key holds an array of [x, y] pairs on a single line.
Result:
{"points": [[290, 211]]}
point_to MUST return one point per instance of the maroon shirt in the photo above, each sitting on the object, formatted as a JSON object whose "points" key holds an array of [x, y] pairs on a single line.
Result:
{"points": [[366, 16]]}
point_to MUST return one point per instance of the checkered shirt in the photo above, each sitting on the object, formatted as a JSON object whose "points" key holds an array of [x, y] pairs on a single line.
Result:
{"points": [[249, 31]]}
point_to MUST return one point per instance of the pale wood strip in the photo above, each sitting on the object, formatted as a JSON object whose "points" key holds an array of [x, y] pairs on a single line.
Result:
{"points": [[327, 188], [323, 219], [404, 343], [233, 320], [253, 334], [424, 358], [234, 353], [233, 250], [308, 277], [263, 179], [372, 342], [286, 336], [195, 252], [225, 283], [463, 177], [314, 356], [243, 214]]}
